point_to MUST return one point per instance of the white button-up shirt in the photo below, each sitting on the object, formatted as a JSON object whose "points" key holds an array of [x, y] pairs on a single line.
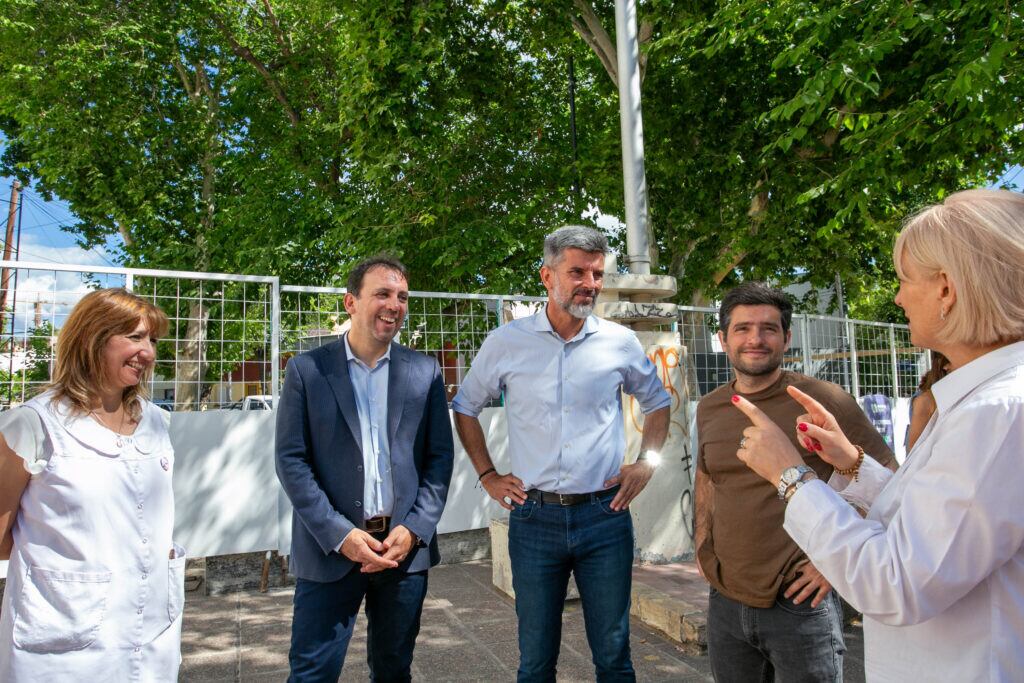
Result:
{"points": [[563, 398], [937, 567]]}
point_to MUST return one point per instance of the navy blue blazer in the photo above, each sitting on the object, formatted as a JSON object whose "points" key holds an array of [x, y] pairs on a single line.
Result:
{"points": [[320, 462]]}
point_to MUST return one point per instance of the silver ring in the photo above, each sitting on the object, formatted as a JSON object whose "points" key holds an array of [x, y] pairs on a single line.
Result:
{"points": [[743, 442]]}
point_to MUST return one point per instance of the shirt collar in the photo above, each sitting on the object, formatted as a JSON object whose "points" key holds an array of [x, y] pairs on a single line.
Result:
{"points": [[541, 323], [352, 357], [86, 430], [949, 390]]}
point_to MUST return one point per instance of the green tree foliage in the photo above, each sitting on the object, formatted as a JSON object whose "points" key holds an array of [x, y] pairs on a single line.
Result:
{"points": [[784, 139], [292, 137], [788, 139]]}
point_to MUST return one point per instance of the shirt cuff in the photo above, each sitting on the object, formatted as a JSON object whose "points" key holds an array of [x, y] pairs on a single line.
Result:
{"points": [[871, 479], [338, 549], [805, 511], [461, 407]]}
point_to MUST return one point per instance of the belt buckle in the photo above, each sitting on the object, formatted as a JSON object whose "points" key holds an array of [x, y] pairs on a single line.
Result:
{"points": [[561, 499], [376, 525]]}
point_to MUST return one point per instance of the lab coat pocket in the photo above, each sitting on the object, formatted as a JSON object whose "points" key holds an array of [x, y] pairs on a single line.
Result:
{"points": [[60, 611], [176, 583]]}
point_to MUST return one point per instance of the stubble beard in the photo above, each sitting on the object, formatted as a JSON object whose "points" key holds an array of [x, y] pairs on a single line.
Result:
{"points": [[765, 367]]}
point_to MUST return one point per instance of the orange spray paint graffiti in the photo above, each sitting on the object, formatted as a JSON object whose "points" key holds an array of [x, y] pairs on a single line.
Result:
{"points": [[668, 361]]}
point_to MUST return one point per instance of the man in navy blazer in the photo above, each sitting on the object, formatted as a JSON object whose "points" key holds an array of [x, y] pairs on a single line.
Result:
{"points": [[364, 451]]}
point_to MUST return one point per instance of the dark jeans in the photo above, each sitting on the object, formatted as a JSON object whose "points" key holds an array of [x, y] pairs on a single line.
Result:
{"points": [[545, 544], [786, 641], [325, 614]]}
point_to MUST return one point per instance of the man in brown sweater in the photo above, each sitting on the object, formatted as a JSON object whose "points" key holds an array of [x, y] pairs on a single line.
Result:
{"points": [[770, 611]]}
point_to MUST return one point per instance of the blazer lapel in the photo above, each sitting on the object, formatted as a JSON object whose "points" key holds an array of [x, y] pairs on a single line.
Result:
{"points": [[340, 381], [397, 380]]}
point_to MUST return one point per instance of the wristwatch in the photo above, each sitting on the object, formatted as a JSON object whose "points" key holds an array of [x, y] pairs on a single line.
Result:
{"points": [[650, 456], [800, 482], [790, 476]]}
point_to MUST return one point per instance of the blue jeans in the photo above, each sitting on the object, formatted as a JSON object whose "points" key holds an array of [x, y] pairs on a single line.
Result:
{"points": [[545, 544], [325, 614], [793, 642]]}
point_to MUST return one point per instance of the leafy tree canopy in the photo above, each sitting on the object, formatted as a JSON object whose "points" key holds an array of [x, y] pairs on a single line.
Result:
{"points": [[784, 139]]}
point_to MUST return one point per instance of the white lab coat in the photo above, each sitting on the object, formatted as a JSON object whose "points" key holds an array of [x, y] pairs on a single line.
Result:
{"points": [[95, 585]]}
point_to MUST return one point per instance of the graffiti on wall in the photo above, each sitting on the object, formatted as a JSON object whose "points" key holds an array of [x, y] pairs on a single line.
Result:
{"points": [[669, 362]]}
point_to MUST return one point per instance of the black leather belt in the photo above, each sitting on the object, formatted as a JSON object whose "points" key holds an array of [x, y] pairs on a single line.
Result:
{"points": [[566, 499], [376, 525]]}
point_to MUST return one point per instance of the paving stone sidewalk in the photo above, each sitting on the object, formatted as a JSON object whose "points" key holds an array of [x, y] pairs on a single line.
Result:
{"points": [[468, 633]]}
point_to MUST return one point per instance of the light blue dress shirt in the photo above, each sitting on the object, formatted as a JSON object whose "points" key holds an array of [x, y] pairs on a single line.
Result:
{"points": [[370, 386], [562, 398]]}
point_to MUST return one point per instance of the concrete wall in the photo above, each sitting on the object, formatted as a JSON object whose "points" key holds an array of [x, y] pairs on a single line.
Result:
{"points": [[228, 499]]}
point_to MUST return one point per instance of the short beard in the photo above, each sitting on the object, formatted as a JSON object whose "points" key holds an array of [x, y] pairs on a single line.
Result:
{"points": [[771, 364], [578, 311]]}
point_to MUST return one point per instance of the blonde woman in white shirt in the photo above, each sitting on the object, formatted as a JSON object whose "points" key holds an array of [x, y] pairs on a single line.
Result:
{"points": [[95, 584], [937, 567]]}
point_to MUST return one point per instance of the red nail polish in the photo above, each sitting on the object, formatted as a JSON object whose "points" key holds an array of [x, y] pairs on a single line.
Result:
{"points": [[808, 444], [802, 427], [735, 398], [817, 446]]}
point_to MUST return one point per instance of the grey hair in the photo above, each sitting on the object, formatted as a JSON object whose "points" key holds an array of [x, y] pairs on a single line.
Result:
{"points": [[573, 237]]}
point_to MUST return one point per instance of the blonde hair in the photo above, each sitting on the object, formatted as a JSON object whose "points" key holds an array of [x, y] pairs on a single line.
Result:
{"points": [[975, 237], [78, 371]]}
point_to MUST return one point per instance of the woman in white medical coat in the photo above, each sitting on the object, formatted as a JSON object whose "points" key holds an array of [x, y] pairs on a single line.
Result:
{"points": [[95, 585]]}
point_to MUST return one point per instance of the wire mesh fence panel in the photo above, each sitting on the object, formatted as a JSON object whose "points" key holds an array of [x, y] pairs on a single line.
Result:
{"points": [[911, 361], [36, 303], [828, 351], [874, 358], [449, 327], [218, 348], [708, 366]]}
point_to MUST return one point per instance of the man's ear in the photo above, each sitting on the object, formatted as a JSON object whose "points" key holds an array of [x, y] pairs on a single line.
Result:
{"points": [[721, 338], [547, 277], [789, 338], [350, 303]]}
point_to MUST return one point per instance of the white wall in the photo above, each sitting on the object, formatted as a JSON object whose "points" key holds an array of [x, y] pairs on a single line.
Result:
{"points": [[228, 499]]}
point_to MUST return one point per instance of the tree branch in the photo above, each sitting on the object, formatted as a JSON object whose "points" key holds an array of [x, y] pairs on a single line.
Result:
{"points": [[591, 30], [275, 25], [244, 53]]}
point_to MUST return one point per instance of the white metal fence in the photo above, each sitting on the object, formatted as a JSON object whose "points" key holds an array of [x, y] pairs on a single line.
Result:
{"points": [[231, 335], [861, 356]]}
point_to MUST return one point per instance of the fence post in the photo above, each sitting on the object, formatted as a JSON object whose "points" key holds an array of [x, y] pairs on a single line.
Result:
{"points": [[854, 370], [895, 363], [805, 345], [500, 310], [275, 341], [129, 282]]}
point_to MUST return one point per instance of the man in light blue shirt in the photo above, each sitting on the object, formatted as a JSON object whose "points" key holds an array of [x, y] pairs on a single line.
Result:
{"points": [[562, 373]]}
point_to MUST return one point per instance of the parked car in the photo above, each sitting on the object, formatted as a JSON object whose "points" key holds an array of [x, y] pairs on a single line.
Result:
{"points": [[255, 402]]}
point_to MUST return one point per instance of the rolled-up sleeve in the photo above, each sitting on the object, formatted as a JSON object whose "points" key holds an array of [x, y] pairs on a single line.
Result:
{"points": [[641, 379], [482, 384]]}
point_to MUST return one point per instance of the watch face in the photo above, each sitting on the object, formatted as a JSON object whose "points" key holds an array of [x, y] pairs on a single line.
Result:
{"points": [[791, 474]]}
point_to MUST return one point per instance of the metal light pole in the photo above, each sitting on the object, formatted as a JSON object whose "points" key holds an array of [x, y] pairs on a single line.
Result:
{"points": [[628, 56]]}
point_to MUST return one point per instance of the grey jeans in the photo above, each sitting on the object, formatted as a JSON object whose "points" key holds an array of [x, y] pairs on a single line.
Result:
{"points": [[784, 642]]}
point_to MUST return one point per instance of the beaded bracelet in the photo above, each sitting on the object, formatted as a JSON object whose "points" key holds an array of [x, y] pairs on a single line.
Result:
{"points": [[853, 472]]}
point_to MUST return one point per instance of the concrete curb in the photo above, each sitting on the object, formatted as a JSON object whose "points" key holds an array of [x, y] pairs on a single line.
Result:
{"points": [[677, 619]]}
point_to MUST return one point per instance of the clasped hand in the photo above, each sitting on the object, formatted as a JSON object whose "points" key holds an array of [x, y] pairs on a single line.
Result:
{"points": [[374, 556]]}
